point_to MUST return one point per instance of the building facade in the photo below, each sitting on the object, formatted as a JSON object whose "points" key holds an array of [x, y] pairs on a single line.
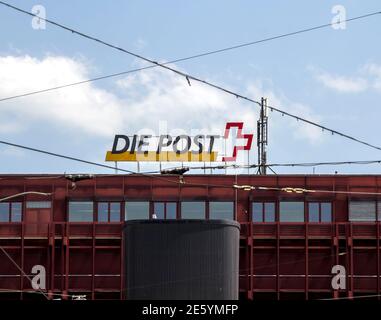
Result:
{"points": [[291, 239]]}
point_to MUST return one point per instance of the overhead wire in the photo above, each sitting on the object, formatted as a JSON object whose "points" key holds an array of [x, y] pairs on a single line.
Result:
{"points": [[296, 164], [189, 77], [26, 193], [180, 59]]}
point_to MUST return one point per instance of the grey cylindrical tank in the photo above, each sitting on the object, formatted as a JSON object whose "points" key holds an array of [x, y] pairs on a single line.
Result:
{"points": [[182, 259]]}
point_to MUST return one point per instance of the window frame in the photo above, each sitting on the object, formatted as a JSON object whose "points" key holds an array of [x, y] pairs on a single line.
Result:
{"points": [[320, 202], [164, 202], [10, 215], [124, 216], [376, 213], [206, 209], [295, 201], [108, 202], [82, 200], [263, 204]]}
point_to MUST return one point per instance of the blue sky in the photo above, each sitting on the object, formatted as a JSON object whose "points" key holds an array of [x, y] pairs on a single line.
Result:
{"points": [[331, 76]]}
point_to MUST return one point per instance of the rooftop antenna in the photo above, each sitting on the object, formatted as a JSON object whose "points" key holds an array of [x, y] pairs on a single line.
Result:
{"points": [[262, 135]]}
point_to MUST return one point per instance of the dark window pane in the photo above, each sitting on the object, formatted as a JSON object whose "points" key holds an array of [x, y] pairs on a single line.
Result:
{"points": [[81, 211], [269, 212], [313, 212], [16, 210], [114, 212], [171, 210], [137, 210], [221, 210], [257, 212], [158, 210], [193, 210], [326, 212], [102, 212], [291, 211], [362, 211], [4, 211]]}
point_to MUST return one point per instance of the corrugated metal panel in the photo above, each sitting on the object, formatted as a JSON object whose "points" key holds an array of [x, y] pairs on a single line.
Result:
{"points": [[183, 259]]}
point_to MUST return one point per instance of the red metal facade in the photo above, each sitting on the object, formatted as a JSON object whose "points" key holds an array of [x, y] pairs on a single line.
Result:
{"points": [[278, 260]]}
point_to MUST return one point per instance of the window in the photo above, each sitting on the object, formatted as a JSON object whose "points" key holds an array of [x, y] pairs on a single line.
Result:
{"points": [[193, 210], [319, 212], [362, 211], [221, 210], [291, 211], [165, 210], [10, 211], [108, 211], [38, 204], [263, 211], [81, 211], [136, 210]]}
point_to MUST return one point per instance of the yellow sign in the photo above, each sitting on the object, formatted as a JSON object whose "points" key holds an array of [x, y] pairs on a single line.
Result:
{"points": [[164, 156]]}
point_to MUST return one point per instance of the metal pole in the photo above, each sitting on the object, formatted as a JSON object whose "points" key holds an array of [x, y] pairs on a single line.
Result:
{"points": [[262, 137]]}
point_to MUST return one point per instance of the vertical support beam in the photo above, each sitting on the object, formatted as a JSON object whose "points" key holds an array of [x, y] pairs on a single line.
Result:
{"points": [[335, 247], [378, 258], [306, 260], [22, 259], [122, 275], [351, 258], [53, 256], [67, 251], [93, 263], [277, 259], [251, 250]]}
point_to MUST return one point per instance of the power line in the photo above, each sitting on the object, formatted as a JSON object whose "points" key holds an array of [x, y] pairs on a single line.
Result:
{"points": [[303, 164], [189, 77], [335, 163], [79, 160], [178, 181], [200, 55], [25, 193]]}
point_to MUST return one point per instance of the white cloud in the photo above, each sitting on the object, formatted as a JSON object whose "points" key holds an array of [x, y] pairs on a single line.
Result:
{"points": [[11, 151], [84, 107], [374, 70], [367, 77], [341, 83], [144, 100]]}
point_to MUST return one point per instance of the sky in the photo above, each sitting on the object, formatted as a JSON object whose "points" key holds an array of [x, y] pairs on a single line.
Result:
{"points": [[330, 76]]}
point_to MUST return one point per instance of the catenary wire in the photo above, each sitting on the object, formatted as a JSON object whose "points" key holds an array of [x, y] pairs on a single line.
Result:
{"points": [[176, 181], [296, 164], [25, 193], [190, 77], [181, 59]]}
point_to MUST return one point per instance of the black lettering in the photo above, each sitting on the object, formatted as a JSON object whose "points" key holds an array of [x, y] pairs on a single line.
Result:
{"points": [[116, 141], [197, 141], [133, 145], [211, 144], [162, 144], [187, 147], [143, 143]]}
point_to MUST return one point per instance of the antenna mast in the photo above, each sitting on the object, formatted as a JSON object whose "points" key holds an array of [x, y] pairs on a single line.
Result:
{"points": [[262, 136]]}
